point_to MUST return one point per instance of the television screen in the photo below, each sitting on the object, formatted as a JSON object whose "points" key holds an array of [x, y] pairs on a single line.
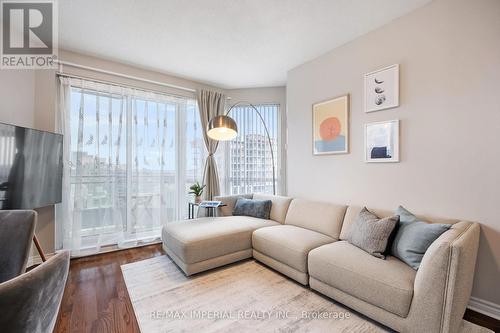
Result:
{"points": [[31, 167]]}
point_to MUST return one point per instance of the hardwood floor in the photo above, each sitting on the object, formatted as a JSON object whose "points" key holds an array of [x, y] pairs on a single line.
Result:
{"points": [[482, 320], [96, 299]]}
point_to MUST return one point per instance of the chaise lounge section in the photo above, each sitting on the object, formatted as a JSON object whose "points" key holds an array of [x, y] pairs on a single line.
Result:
{"points": [[307, 241], [208, 242]]}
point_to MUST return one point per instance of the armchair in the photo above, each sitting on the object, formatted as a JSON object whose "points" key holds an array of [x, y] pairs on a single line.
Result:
{"points": [[30, 302], [17, 228]]}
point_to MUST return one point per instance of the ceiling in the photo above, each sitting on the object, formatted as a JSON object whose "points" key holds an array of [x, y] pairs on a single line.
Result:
{"points": [[226, 43]]}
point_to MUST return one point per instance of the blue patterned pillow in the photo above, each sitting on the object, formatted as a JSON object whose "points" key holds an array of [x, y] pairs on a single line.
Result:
{"points": [[254, 208]]}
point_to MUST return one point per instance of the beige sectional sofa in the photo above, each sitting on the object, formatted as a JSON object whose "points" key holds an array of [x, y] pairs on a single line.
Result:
{"points": [[306, 240]]}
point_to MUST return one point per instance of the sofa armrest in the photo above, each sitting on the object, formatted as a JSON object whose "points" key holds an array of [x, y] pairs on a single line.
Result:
{"points": [[230, 201], [443, 283], [460, 277]]}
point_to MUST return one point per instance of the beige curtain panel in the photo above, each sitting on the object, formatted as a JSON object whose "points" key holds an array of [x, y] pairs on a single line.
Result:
{"points": [[210, 104]]}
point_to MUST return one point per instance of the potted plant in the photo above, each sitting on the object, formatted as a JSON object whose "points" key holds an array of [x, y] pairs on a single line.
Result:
{"points": [[197, 190]]}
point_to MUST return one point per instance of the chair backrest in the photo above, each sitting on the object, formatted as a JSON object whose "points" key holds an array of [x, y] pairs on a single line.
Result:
{"points": [[323, 217], [16, 233], [30, 302]]}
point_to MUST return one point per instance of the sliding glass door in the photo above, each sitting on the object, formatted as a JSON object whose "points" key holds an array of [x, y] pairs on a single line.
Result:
{"points": [[130, 158]]}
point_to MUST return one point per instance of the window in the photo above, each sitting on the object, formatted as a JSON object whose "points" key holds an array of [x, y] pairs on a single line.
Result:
{"points": [[132, 157], [248, 162]]}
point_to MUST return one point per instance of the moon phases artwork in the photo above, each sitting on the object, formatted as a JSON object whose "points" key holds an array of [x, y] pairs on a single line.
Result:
{"points": [[331, 126], [382, 89]]}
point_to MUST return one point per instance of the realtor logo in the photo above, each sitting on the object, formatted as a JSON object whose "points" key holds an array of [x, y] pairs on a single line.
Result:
{"points": [[28, 34]]}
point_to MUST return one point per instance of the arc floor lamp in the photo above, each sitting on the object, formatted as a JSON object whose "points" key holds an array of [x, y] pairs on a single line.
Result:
{"points": [[224, 128]]}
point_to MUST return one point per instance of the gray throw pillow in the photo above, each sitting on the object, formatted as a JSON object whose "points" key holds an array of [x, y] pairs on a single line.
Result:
{"points": [[413, 237], [253, 208], [371, 233]]}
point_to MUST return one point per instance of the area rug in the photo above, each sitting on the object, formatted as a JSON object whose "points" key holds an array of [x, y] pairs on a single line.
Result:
{"points": [[243, 297]]}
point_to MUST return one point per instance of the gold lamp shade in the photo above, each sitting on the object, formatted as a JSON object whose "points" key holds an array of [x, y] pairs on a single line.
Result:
{"points": [[222, 128]]}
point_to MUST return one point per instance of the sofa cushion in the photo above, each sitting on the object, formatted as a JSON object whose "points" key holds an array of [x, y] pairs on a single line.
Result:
{"points": [[209, 237], [372, 233], [279, 207], [229, 201], [387, 284], [254, 208], [288, 244], [322, 217]]}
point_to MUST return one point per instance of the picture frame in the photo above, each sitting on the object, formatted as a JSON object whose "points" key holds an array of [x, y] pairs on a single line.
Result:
{"points": [[381, 89], [330, 120], [382, 141]]}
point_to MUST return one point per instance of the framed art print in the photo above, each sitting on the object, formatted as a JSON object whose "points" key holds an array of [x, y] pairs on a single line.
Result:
{"points": [[331, 126], [382, 141], [382, 89]]}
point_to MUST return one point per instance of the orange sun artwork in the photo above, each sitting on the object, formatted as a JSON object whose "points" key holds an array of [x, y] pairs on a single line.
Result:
{"points": [[331, 126], [329, 129]]}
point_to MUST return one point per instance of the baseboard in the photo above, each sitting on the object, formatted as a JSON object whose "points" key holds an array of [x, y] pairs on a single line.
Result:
{"points": [[487, 308], [37, 260]]}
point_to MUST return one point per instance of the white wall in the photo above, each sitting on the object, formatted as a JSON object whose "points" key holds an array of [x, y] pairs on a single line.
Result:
{"points": [[449, 52], [17, 93], [258, 95], [120, 68]]}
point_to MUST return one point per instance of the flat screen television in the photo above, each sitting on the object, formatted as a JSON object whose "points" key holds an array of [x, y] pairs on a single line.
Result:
{"points": [[31, 167]]}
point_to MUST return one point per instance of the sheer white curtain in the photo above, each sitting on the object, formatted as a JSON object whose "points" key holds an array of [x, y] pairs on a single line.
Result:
{"points": [[121, 179]]}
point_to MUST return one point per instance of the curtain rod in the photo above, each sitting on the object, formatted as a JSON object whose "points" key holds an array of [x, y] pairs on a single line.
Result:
{"points": [[117, 84], [136, 78]]}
